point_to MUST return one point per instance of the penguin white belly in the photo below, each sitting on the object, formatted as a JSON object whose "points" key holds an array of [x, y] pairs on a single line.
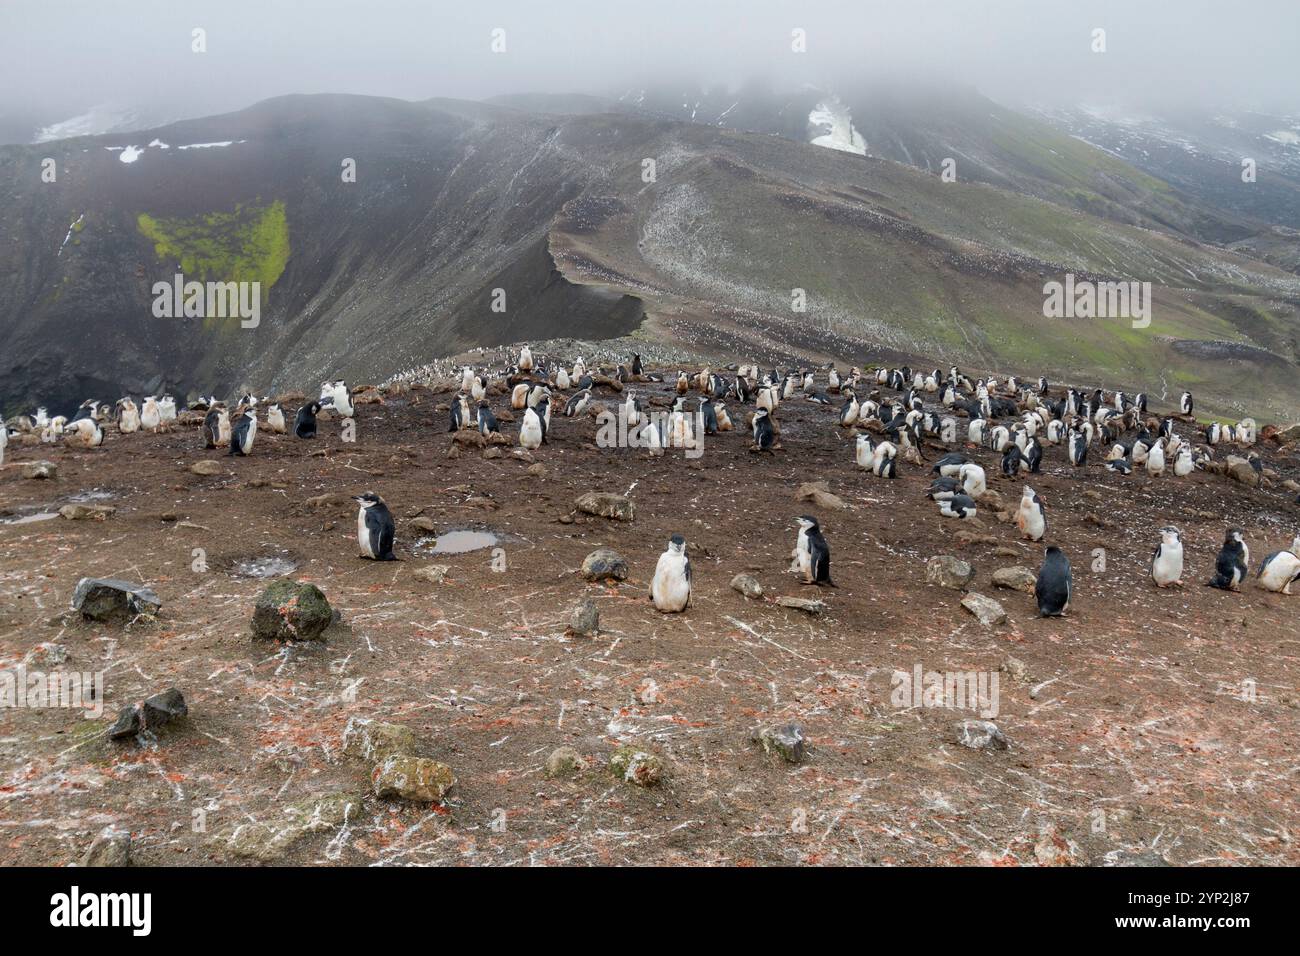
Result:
{"points": [[363, 534], [1279, 572], [864, 455], [670, 590], [1030, 520], [530, 432], [1167, 567]]}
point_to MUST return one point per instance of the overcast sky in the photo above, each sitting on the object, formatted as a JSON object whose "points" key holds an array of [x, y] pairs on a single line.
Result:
{"points": [[62, 57]]}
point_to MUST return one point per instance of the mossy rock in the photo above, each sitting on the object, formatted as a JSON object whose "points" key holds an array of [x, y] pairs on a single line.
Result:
{"points": [[291, 611]]}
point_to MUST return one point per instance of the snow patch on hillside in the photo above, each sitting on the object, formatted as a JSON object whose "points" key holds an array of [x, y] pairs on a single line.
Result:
{"points": [[831, 125]]}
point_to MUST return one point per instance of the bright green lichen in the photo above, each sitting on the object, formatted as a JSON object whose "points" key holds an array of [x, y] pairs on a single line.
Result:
{"points": [[250, 244]]}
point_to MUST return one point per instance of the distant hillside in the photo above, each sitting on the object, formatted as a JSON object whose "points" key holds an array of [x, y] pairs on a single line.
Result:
{"points": [[454, 200]]}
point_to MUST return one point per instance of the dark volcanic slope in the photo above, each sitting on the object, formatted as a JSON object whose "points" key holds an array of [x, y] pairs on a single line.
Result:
{"points": [[476, 224]]}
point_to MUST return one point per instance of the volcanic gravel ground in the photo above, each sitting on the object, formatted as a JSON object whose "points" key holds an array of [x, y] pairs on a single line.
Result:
{"points": [[1147, 724]]}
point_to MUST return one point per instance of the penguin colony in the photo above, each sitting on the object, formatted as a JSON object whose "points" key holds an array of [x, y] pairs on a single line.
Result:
{"points": [[1020, 421]]}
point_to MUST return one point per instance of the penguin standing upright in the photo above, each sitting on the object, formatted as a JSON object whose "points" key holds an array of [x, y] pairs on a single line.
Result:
{"points": [[375, 528], [275, 418], [487, 422], [764, 436], [150, 415], [1232, 563], [216, 423], [709, 415], [1156, 458], [128, 416], [243, 433], [636, 365], [1185, 403], [533, 430], [1053, 587], [812, 557], [863, 454], [304, 424], [670, 589], [724, 420], [459, 417], [1167, 560], [1030, 516], [1078, 448], [525, 359]]}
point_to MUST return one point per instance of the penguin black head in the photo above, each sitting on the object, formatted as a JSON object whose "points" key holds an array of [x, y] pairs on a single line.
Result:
{"points": [[1173, 533], [369, 499], [808, 523], [1234, 536], [677, 543]]}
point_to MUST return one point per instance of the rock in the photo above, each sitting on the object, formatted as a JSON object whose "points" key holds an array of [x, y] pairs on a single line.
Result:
{"points": [[161, 709], [807, 605], [291, 611], [818, 493], [1015, 578], [1016, 668], [1052, 849], [40, 469], [331, 499], [965, 536], [374, 741], [1136, 857], [949, 572], [206, 467], [988, 611], [111, 847], [1093, 494], [992, 500], [1291, 484], [604, 564], [126, 725], [981, 735], [412, 778], [523, 454], [1007, 552], [604, 505], [747, 585], [423, 524], [104, 599], [584, 619], [1290, 433], [45, 655], [633, 765], [79, 512], [471, 438], [493, 452], [537, 470], [433, 573], [1239, 469], [268, 842], [787, 741], [564, 762]]}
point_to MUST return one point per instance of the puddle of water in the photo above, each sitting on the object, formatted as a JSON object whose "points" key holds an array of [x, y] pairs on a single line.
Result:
{"points": [[95, 494], [457, 542], [31, 518], [263, 567]]}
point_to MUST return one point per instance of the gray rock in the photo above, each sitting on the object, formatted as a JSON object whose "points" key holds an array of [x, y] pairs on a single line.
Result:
{"points": [[269, 840], [291, 611], [564, 762], [584, 619], [1239, 469], [104, 599], [206, 467], [604, 564], [433, 573], [747, 585], [949, 572], [45, 655], [634, 765], [111, 847], [1015, 579], [605, 505], [981, 735], [1290, 433], [80, 512], [807, 605], [161, 709], [787, 740], [40, 469], [127, 724], [375, 740], [988, 611]]}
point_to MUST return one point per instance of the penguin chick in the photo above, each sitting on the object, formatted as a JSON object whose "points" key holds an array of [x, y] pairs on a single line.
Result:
{"points": [[670, 589]]}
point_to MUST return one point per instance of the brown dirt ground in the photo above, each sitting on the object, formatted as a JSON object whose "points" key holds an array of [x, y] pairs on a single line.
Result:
{"points": [[1128, 727]]}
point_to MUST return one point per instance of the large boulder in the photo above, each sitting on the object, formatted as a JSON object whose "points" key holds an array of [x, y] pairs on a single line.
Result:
{"points": [[291, 611], [987, 610], [1240, 469], [104, 599], [375, 740]]}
